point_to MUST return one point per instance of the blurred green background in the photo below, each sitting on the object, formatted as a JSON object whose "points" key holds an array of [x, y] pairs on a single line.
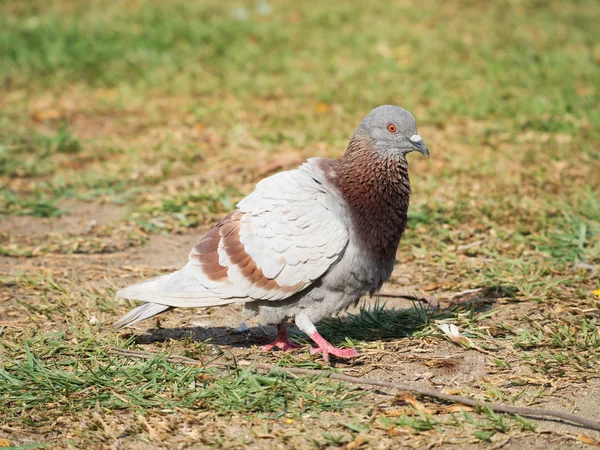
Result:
{"points": [[107, 100], [533, 62]]}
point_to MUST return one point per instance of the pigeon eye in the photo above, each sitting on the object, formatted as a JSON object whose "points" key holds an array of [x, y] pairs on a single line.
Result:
{"points": [[392, 128]]}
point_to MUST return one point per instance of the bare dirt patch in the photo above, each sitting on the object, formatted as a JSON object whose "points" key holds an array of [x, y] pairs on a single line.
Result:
{"points": [[79, 218]]}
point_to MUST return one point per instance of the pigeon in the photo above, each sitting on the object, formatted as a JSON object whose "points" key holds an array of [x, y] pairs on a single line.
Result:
{"points": [[306, 243]]}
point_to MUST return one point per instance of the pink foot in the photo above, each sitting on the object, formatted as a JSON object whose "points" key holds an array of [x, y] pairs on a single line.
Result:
{"points": [[326, 348], [282, 342]]}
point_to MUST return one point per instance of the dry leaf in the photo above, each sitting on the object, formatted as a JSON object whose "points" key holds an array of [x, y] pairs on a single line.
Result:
{"points": [[43, 115], [453, 333], [4, 443], [395, 431], [412, 401], [588, 440], [384, 49], [442, 363], [452, 391], [356, 443], [458, 407], [322, 107], [396, 413]]}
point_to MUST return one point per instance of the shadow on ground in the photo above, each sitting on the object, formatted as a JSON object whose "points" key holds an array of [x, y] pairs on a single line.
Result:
{"points": [[375, 320]]}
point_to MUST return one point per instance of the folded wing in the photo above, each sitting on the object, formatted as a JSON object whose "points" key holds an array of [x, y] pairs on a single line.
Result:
{"points": [[283, 237]]}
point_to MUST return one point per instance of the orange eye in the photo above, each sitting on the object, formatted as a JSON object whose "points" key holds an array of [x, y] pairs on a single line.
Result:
{"points": [[392, 128]]}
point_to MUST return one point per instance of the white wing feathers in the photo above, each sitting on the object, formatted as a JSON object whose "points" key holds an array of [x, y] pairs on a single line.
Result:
{"points": [[284, 235]]}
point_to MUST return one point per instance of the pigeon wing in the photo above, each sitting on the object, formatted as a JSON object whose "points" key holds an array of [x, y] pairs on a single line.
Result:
{"points": [[283, 237]]}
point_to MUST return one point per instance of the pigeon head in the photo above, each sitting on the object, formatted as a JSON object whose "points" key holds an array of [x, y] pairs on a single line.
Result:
{"points": [[392, 131]]}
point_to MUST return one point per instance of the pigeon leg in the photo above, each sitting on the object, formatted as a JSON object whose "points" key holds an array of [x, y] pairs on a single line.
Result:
{"points": [[327, 348], [324, 347], [282, 341]]}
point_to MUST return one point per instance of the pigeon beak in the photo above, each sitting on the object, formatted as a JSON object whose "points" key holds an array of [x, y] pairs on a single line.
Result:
{"points": [[418, 145]]}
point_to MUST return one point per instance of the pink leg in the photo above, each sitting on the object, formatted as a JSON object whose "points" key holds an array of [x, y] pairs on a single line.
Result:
{"points": [[282, 342], [326, 348]]}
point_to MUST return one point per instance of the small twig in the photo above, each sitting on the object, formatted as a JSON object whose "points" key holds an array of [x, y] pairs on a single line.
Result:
{"points": [[85, 255], [471, 245], [149, 268], [521, 410], [461, 293], [411, 295], [149, 355]]}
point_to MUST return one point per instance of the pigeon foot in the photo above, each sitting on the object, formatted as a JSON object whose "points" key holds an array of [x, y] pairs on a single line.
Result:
{"points": [[326, 348], [282, 341]]}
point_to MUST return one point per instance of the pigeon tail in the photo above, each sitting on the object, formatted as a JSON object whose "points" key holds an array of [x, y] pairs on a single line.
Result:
{"points": [[140, 313], [178, 289], [142, 291]]}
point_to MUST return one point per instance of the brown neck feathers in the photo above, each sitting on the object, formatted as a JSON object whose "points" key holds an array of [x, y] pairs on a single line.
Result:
{"points": [[377, 189]]}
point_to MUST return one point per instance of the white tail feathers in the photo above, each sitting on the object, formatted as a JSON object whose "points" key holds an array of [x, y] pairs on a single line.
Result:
{"points": [[178, 289], [147, 291], [142, 312]]}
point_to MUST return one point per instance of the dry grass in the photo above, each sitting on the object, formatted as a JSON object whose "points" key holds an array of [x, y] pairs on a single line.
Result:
{"points": [[126, 130]]}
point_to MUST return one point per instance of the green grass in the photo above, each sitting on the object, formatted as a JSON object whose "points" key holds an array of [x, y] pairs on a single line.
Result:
{"points": [[375, 322], [42, 376], [37, 204], [187, 209], [512, 69], [418, 422], [31, 154], [559, 347]]}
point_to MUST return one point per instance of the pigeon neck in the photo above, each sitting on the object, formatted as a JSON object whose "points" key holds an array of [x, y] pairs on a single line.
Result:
{"points": [[376, 187]]}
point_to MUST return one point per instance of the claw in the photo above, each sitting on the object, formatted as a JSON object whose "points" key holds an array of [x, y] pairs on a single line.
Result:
{"points": [[282, 341], [325, 348]]}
